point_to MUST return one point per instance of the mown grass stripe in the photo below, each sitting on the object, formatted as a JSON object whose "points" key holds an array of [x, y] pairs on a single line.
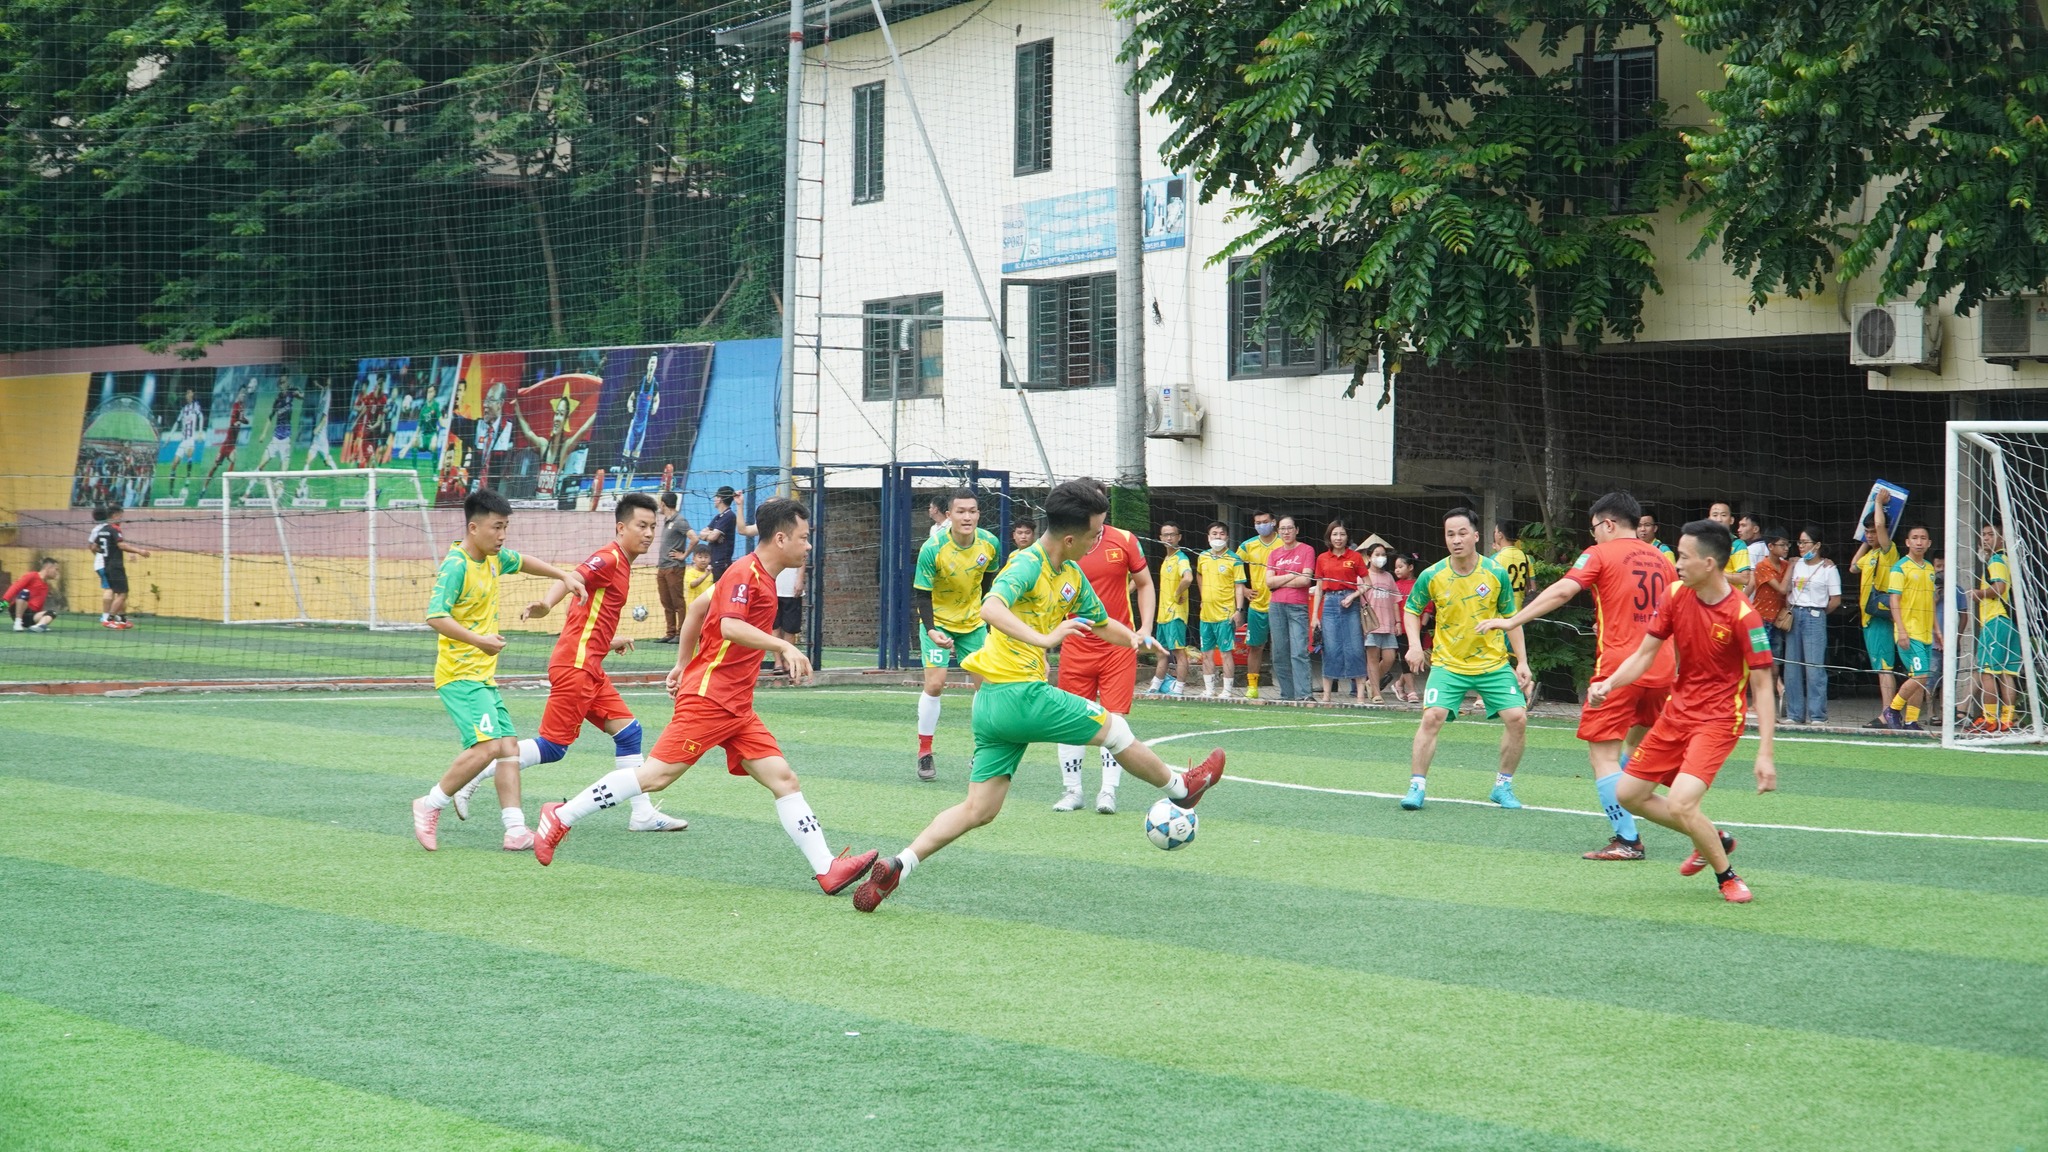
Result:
{"points": [[70, 1082], [629, 1060], [1485, 1054]]}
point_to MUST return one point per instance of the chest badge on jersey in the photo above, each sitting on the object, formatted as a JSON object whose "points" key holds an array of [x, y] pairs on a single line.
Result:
{"points": [[1116, 556], [1066, 591], [1721, 634], [1484, 591], [981, 561]]}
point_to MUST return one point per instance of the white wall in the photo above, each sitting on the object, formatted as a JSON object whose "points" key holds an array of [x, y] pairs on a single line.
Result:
{"points": [[1266, 432]]}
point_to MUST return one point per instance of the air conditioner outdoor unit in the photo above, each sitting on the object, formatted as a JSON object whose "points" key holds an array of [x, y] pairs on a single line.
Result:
{"points": [[2013, 328], [1171, 412], [1894, 335]]}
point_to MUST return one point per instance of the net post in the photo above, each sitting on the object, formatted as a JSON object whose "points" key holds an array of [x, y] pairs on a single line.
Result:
{"points": [[226, 581], [284, 547], [1951, 515], [2015, 559], [373, 549]]}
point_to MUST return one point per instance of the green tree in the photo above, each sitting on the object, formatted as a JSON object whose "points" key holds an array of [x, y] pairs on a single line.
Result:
{"points": [[1905, 139], [1426, 179]]}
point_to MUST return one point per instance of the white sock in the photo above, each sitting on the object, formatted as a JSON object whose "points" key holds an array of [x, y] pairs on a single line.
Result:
{"points": [[642, 805], [615, 786], [1417, 781], [529, 753], [803, 827], [908, 859], [1209, 683], [928, 714], [1156, 682], [438, 798], [490, 770], [1503, 778], [513, 817], [1176, 787], [1112, 772], [1070, 766]]}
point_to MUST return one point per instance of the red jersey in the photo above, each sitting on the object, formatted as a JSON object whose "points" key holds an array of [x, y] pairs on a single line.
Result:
{"points": [[1717, 645], [587, 637], [32, 583], [1108, 567], [1630, 581], [721, 671], [1340, 574]]}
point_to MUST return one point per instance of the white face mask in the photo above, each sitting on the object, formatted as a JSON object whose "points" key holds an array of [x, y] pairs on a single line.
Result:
{"points": [[1379, 561], [1216, 545]]}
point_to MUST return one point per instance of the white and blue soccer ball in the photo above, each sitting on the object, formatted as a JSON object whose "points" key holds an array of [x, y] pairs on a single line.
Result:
{"points": [[1169, 825], [639, 611]]}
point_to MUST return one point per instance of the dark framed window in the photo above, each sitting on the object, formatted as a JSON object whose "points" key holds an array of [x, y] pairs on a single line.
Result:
{"points": [[1068, 330], [867, 143], [1623, 86], [1263, 347], [1034, 107], [903, 358]]}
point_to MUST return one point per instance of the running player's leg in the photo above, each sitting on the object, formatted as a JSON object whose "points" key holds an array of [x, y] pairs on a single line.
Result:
{"points": [[485, 727], [1116, 686], [627, 735], [1080, 675], [833, 873], [936, 659], [1611, 732]]}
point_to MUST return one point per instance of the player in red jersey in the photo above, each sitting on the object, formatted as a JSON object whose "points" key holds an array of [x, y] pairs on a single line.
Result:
{"points": [[713, 684], [578, 688], [1093, 668], [1629, 580], [1723, 657]]}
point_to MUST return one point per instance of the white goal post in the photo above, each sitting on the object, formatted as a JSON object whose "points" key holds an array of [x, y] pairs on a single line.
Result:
{"points": [[1992, 634], [317, 554]]}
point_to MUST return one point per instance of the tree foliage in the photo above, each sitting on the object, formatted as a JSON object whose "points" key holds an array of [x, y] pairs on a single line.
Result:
{"points": [[394, 175], [1908, 139]]}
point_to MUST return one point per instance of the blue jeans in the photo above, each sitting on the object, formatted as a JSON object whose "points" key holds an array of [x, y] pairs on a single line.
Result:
{"points": [[1806, 670], [1290, 650]]}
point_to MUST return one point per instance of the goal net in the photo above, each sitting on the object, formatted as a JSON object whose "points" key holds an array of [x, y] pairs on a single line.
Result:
{"points": [[1994, 590], [349, 546]]}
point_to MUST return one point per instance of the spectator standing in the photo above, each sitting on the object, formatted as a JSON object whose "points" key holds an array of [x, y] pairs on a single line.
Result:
{"points": [[672, 560], [1383, 596], [1911, 600], [1176, 577], [1773, 582], [1873, 563], [1750, 531], [1257, 625], [1738, 569], [1290, 573], [1816, 591], [1407, 566], [725, 526], [789, 607], [1508, 553], [1646, 531], [1340, 573], [1998, 644], [1220, 576]]}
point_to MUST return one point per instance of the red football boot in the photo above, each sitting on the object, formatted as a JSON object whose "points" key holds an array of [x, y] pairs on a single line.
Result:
{"points": [[1734, 891], [845, 870], [881, 882], [1695, 862], [1201, 778], [548, 834]]}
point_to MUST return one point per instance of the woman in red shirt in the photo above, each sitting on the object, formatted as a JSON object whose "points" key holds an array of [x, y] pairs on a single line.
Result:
{"points": [[1337, 595]]}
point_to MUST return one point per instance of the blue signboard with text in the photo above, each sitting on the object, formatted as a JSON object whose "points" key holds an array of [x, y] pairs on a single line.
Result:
{"points": [[1081, 226]]}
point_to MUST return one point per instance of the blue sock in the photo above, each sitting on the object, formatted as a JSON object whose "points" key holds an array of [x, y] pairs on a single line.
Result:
{"points": [[1624, 823], [626, 741]]}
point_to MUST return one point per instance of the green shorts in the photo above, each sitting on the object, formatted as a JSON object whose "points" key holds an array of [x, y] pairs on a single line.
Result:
{"points": [[965, 644], [1218, 636], [1879, 645], [478, 711], [1255, 630], [1497, 690], [1998, 647], [1010, 717], [1171, 633], [1917, 659]]}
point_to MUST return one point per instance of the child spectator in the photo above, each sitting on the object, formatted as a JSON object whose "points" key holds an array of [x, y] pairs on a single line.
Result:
{"points": [[1406, 567], [1384, 596]]}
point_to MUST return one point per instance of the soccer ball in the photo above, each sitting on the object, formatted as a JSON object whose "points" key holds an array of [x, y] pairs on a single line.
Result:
{"points": [[1169, 825], [639, 611]]}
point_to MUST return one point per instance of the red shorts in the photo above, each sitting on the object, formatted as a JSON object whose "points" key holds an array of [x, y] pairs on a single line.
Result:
{"points": [[1668, 751], [576, 695], [1104, 673], [1636, 706], [699, 726]]}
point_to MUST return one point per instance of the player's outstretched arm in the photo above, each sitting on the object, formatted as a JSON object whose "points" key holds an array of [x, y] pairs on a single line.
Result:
{"points": [[747, 636], [998, 615], [547, 601], [1123, 637], [1631, 670], [490, 645], [548, 571], [1547, 601], [1763, 698]]}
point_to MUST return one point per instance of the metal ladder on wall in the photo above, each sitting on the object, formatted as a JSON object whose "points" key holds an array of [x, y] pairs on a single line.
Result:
{"points": [[807, 294]]}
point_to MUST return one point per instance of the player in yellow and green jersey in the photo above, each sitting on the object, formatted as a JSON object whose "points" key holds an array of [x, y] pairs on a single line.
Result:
{"points": [[1040, 599], [1259, 599], [1873, 563], [1467, 588], [954, 570], [1911, 601], [1220, 576], [1739, 570], [1507, 552], [1176, 579], [1646, 531], [463, 608], [1998, 643]]}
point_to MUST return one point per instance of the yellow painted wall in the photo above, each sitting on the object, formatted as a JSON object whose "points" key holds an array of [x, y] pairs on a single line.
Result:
{"points": [[41, 419]]}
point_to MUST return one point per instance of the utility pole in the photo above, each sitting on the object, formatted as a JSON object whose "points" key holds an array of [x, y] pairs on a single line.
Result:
{"points": [[1130, 276]]}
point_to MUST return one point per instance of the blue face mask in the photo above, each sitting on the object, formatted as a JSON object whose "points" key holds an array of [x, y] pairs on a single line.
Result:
{"points": [[1265, 529]]}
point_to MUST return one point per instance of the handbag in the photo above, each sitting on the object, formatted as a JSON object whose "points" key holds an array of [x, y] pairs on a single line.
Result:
{"points": [[1784, 621], [1876, 606]]}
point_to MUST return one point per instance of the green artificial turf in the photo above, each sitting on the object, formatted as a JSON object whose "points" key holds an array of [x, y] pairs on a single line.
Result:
{"points": [[220, 896]]}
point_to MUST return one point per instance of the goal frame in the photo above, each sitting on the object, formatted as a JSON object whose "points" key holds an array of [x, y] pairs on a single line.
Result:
{"points": [[1961, 536], [270, 479]]}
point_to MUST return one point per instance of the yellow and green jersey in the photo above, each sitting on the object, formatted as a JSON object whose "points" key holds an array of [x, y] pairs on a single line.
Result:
{"points": [[1462, 602], [1041, 596], [466, 591], [1219, 574], [1738, 557], [1173, 600], [1254, 552], [1520, 572], [952, 575], [1996, 571], [1912, 594], [1873, 571]]}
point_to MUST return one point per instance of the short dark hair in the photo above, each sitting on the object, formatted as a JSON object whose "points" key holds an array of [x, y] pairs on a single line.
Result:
{"points": [[959, 494], [778, 513], [484, 502], [1218, 525], [632, 502], [1711, 537], [1258, 512], [47, 561], [670, 500], [1027, 524], [1773, 536], [99, 511], [1912, 528], [940, 501], [1504, 527], [1165, 524], [1643, 511], [1619, 505], [1470, 516], [1752, 518], [724, 493], [701, 549], [1074, 504]]}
